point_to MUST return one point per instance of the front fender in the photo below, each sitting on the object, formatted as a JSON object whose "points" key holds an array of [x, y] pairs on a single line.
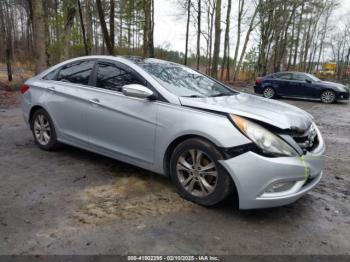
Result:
{"points": [[177, 121]]}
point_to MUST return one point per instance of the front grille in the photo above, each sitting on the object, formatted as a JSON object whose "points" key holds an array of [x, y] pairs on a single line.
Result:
{"points": [[308, 140]]}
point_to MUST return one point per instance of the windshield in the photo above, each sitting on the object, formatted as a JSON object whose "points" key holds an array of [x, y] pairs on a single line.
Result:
{"points": [[183, 81], [313, 78]]}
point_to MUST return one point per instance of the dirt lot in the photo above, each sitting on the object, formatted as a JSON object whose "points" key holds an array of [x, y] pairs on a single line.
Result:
{"points": [[76, 202]]}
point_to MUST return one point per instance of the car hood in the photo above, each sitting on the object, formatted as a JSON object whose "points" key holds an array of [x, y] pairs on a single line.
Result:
{"points": [[272, 112]]}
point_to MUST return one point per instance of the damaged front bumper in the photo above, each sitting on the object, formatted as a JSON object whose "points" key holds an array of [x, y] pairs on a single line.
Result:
{"points": [[264, 182]]}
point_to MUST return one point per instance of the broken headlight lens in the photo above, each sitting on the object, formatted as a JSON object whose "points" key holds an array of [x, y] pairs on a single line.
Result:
{"points": [[268, 142]]}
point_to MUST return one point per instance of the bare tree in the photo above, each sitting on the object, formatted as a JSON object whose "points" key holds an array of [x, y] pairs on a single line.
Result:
{"points": [[112, 22], [86, 47], [40, 57], [187, 29], [199, 15], [252, 25], [239, 25], [106, 35], [226, 57], [216, 52], [6, 29], [70, 11], [148, 46], [88, 20]]}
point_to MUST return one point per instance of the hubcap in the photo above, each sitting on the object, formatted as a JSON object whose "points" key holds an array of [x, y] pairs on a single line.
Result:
{"points": [[42, 129], [269, 92], [328, 97], [197, 173]]}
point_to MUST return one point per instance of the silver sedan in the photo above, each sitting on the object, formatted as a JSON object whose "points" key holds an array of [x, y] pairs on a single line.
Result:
{"points": [[210, 139]]}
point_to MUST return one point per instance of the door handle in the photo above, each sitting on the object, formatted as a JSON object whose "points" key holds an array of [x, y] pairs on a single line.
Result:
{"points": [[95, 101], [52, 88]]}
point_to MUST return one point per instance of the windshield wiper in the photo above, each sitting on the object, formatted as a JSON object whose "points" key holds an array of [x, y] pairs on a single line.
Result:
{"points": [[219, 94], [193, 96]]}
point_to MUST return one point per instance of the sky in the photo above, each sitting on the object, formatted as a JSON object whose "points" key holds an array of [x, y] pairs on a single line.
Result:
{"points": [[170, 24]]}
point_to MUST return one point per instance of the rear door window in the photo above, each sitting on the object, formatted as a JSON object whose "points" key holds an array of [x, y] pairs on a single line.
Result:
{"points": [[77, 72], [110, 76], [284, 76]]}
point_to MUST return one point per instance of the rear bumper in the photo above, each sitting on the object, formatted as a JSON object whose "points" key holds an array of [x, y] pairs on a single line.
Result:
{"points": [[25, 106], [254, 175], [257, 89]]}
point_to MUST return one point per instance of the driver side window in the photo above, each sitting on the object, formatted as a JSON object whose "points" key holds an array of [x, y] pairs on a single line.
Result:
{"points": [[112, 77], [299, 77]]}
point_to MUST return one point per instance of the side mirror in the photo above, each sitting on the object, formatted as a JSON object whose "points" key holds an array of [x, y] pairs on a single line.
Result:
{"points": [[139, 91], [308, 81]]}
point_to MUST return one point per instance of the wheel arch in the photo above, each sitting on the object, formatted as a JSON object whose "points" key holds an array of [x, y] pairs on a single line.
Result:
{"points": [[270, 85], [32, 111], [182, 138], [329, 89], [174, 144]]}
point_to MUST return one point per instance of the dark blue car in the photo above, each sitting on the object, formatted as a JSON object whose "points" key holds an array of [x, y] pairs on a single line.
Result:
{"points": [[300, 85]]}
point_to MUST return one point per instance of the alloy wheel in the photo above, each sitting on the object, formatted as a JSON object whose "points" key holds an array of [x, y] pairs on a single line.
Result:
{"points": [[269, 92], [328, 97], [197, 173], [42, 129]]}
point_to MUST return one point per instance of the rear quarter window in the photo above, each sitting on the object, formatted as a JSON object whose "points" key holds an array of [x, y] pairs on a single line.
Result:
{"points": [[51, 75]]}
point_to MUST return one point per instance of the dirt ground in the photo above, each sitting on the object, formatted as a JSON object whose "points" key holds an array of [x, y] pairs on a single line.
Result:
{"points": [[75, 202]]}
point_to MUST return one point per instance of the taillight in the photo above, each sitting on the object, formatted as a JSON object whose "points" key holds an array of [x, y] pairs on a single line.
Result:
{"points": [[258, 80], [24, 88]]}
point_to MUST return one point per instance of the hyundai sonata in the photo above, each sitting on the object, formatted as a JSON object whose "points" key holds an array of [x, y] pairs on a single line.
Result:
{"points": [[210, 139]]}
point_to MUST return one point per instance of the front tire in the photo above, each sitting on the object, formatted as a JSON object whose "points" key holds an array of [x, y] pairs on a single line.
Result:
{"points": [[197, 174], [43, 130], [328, 97]]}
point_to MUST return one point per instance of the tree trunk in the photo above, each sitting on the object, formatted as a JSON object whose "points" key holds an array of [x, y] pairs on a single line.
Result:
{"points": [[39, 35], [111, 23], [211, 34], [216, 52], [106, 35], [226, 56], [292, 42], [285, 38], [88, 21], [70, 14], [7, 37], [121, 29], [148, 47], [8, 64], [86, 47], [250, 29], [198, 55], [298, 36], [151, 40], [187, 29], [239, 23]]}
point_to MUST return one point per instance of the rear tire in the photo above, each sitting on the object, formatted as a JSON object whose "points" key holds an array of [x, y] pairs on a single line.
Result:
{"points": [[43, 130], [269, 92], [197, 174], [328, 97]]}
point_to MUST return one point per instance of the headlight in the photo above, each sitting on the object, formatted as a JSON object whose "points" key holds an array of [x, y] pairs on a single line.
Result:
{"points": [[263, 138], [343, 89]]}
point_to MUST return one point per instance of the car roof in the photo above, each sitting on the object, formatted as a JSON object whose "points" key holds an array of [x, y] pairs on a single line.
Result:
{"points": [[290, 72]]}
